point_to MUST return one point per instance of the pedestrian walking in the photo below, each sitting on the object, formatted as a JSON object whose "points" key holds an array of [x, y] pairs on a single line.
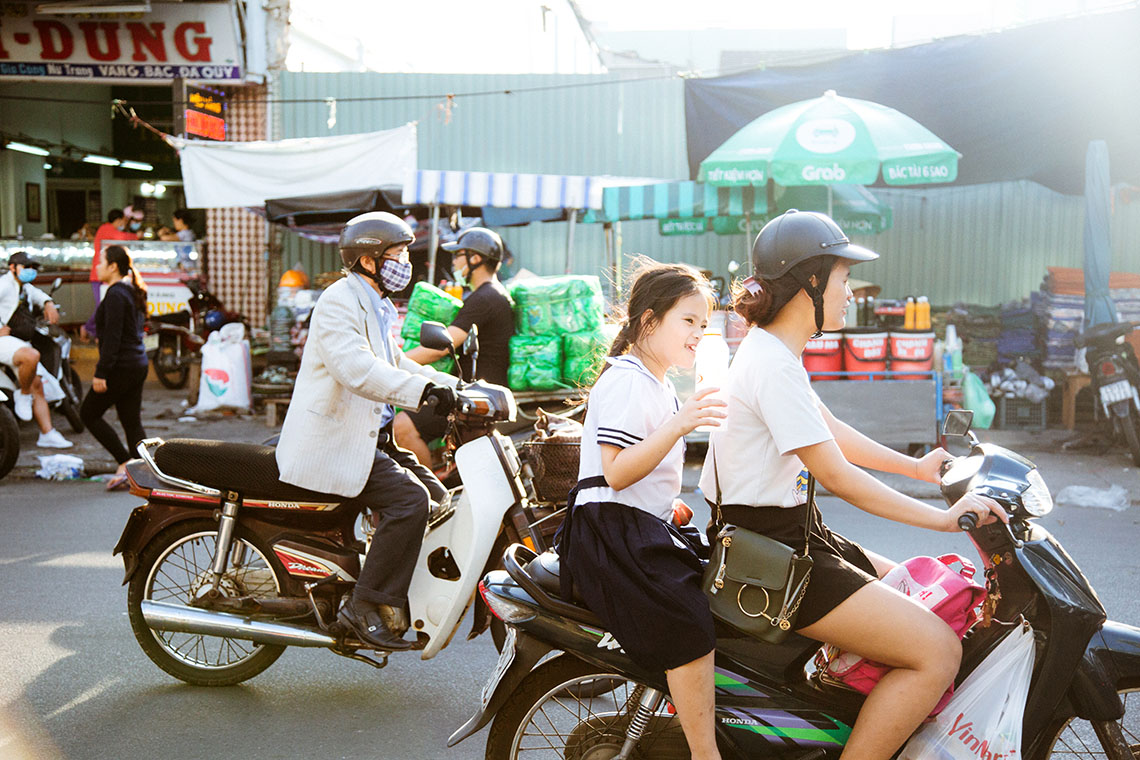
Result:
{"points": [[122, 367]]}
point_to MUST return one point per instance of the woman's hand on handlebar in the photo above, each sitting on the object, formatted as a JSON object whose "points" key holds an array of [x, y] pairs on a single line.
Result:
{"points": [[985, 509], [929, 467]]}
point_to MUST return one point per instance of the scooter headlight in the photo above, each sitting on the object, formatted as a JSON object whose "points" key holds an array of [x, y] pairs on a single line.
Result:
{"points": [[1036, 499]]}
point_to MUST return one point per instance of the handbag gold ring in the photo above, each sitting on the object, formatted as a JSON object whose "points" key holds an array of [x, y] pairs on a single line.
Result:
{"points": [[740, 603]]}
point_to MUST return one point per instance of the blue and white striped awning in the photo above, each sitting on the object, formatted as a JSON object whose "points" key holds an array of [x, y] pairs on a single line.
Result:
{"points": [[681, 200], [501, 190]]}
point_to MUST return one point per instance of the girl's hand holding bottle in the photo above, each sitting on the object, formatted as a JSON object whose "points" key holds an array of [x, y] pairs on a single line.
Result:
{"points": [[702, 408]]}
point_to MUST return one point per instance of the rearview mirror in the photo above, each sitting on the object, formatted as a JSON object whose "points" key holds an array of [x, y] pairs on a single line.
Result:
{"points": [[957, 422], [435, 336], [56, 283]]}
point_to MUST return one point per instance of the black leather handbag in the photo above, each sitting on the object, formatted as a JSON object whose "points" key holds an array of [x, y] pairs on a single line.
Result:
{"points": [[753, 582]]}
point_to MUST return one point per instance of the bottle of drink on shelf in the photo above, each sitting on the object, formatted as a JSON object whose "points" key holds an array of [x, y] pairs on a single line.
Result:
{"points": [[908, 313], [922, 313], [711, 366], [862, 312]]}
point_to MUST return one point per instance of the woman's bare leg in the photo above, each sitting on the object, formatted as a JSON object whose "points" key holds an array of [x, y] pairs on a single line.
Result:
{"points": [[693, 693], [882, 624]]}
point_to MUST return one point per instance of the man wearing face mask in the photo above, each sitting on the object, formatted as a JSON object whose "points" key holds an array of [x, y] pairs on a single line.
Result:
{"points": [[476, 255], [121, 224], [337, 435], [17, 299]]}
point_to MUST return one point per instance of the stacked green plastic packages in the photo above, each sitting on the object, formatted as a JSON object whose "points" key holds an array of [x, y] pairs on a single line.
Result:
{"points": [[547, 310], [584, 354], [429, 304]]}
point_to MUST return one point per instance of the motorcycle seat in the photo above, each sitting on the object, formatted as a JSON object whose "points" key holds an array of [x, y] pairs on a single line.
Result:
{"points": [[545, 570], [1106, 332], [247, 468]]}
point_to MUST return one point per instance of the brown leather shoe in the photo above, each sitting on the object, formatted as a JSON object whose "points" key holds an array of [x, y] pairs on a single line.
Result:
{"points": [[365, 620]]}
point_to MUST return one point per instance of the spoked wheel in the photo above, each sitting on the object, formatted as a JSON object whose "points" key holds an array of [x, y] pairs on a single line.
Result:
{"points": [[9, 440], [1131, 426], [72, 398], [169, 365], [549, 716], [1078, 739], [175, 568]]}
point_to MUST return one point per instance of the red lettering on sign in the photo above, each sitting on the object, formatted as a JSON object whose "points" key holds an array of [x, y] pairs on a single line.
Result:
{"points": [[110, 30], [201, 43], [56, 42], [148, 36]]}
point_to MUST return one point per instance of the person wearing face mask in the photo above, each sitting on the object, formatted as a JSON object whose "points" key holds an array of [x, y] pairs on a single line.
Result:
{"points": [[121, 224], [17, 298], [476, 256], [337, 435]]}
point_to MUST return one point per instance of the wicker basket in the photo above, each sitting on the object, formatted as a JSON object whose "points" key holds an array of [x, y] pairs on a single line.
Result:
{"points": [[555, 467]]}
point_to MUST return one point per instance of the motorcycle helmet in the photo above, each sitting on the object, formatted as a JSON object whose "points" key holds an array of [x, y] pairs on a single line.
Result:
{"points": [[214, 319], [370, 235], [480, 240], [795, 237]]}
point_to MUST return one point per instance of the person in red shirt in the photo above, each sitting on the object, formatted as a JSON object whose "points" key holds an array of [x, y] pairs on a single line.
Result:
{"points": [[115, 228]]}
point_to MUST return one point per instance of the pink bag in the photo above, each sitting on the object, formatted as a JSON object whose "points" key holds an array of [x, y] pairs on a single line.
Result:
{"points": [[948, 592]]}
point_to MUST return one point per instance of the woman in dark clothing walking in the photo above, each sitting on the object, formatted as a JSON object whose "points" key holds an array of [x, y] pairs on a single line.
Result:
{"points": [[122, 367]]}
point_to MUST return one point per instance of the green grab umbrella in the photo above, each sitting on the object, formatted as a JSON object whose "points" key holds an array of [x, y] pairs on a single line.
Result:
{"points": [[830, 141]]}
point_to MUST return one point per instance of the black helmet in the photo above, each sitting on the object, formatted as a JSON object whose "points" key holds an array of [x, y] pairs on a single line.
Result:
{"points": [[481, 240], [798, 236], [371, 234]]}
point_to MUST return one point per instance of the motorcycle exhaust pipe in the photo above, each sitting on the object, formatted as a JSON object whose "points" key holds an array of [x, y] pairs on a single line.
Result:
{"points": [[160, 616]]}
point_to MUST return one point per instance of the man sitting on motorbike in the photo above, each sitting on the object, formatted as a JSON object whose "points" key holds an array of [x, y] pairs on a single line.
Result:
{"points": [[337, 435], [476, 256], [17, 297]]}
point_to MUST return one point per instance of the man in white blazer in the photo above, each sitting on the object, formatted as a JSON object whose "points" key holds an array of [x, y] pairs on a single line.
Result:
{"points": [[337, 435]]}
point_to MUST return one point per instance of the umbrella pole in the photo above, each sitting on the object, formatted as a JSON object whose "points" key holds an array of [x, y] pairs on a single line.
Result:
{"points": [[747, 236], [617, 259], [611, 281], [830, 212], [433, 243], [570, 239]]}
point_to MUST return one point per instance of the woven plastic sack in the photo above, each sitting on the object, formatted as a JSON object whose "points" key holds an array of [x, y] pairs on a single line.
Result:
{"points": [[411, 327], [983, 719], [433, 304], [583, 355], [558, 305], [536, 363], [446, 364]]}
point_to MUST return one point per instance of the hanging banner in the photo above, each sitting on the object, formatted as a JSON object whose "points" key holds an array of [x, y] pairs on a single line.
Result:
{"points": [[196, 41]]}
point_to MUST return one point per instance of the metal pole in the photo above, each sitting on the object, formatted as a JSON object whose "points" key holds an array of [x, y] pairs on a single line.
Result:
{"points": [[617, 259], [611, 281], [433, 242], [570, 240]]}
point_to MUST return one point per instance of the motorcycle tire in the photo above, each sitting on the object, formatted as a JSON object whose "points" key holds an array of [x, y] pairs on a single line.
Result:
{"points": [[72, 400], [171, 370], [1074, 738], [560, 709], [1131, 426], [9, 440], [181, 557]]}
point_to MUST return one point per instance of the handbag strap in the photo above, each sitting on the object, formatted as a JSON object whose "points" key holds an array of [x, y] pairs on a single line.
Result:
{"points": [[719, 517]]}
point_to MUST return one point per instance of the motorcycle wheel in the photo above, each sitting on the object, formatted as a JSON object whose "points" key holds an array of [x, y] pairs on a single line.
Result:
{"points": [[175, 568], [567, 708], [171, 370], [1131, 425], [72, 399], [9, 440], [1077, 739]]}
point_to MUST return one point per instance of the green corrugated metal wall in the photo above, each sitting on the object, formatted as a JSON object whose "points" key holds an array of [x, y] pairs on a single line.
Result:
{"points": [[981, 244]]}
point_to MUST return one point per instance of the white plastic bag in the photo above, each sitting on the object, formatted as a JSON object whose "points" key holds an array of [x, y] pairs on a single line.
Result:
{"points": [[226, 372], [60, 467], [983, 719]]}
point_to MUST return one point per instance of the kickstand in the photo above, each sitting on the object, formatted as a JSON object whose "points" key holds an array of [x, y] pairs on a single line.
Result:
{"points": [[313, 602]]}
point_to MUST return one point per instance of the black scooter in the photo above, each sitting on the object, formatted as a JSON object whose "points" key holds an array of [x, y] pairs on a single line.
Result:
{"points": [[590, 701], [1115, 380]]}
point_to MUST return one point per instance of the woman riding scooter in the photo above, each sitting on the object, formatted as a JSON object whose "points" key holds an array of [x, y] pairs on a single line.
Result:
{"points": [[777, 427]]}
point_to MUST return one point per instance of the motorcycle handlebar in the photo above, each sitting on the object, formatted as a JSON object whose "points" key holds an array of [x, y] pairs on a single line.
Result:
{"points": [[968, 521]]}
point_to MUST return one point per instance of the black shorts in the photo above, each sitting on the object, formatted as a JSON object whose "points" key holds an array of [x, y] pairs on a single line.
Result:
{"points": [[428, 424], [840, 567]]}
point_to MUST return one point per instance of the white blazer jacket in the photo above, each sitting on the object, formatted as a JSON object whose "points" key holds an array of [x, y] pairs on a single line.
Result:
{"points": [[328, 440]]}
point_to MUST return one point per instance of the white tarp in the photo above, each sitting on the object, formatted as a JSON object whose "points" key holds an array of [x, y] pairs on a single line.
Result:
{"points": [[225, 174]]}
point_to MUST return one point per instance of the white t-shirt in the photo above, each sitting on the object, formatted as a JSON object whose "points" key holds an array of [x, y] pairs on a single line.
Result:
{"points": [[627, 404], [772, 411]]}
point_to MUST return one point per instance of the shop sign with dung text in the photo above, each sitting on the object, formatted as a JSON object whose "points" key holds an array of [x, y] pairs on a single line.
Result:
{"points": [[196, 41]]}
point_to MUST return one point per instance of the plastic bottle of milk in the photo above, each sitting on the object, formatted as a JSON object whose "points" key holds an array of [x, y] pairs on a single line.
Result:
{"points": [[712, 365]]}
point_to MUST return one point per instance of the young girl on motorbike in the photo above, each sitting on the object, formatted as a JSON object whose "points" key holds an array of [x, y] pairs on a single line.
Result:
{"points": [[638, 571], [777, 427]]}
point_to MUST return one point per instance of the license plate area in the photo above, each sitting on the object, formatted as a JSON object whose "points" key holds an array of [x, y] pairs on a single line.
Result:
{"points": [[1121, 390], [150, 342], [506, 657]]}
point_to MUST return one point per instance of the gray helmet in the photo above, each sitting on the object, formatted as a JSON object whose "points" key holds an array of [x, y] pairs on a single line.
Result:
{"points": [[480, 240], [798, 236], [371, 234]]}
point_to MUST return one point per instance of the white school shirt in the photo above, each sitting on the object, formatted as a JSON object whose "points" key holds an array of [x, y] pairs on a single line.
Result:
{"points": [[627, 404], [772, 411]]}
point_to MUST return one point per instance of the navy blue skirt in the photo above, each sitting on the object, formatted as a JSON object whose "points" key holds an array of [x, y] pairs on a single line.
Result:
{"points": [[642, 577]]}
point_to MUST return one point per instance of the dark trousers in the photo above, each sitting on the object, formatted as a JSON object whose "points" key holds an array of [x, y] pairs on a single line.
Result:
{"points": [[399, 490], [124, 392]]}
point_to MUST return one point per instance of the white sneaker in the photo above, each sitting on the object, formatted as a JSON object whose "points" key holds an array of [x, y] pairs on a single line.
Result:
{"points": [[23, 405], [53, 440]]}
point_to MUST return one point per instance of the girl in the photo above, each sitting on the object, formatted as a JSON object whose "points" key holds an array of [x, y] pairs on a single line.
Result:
{"points": [[636, 571], [122, 367], [777, 426]]}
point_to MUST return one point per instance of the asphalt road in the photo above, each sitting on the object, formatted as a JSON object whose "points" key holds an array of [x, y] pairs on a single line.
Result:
{"points": [[74, 684]]}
